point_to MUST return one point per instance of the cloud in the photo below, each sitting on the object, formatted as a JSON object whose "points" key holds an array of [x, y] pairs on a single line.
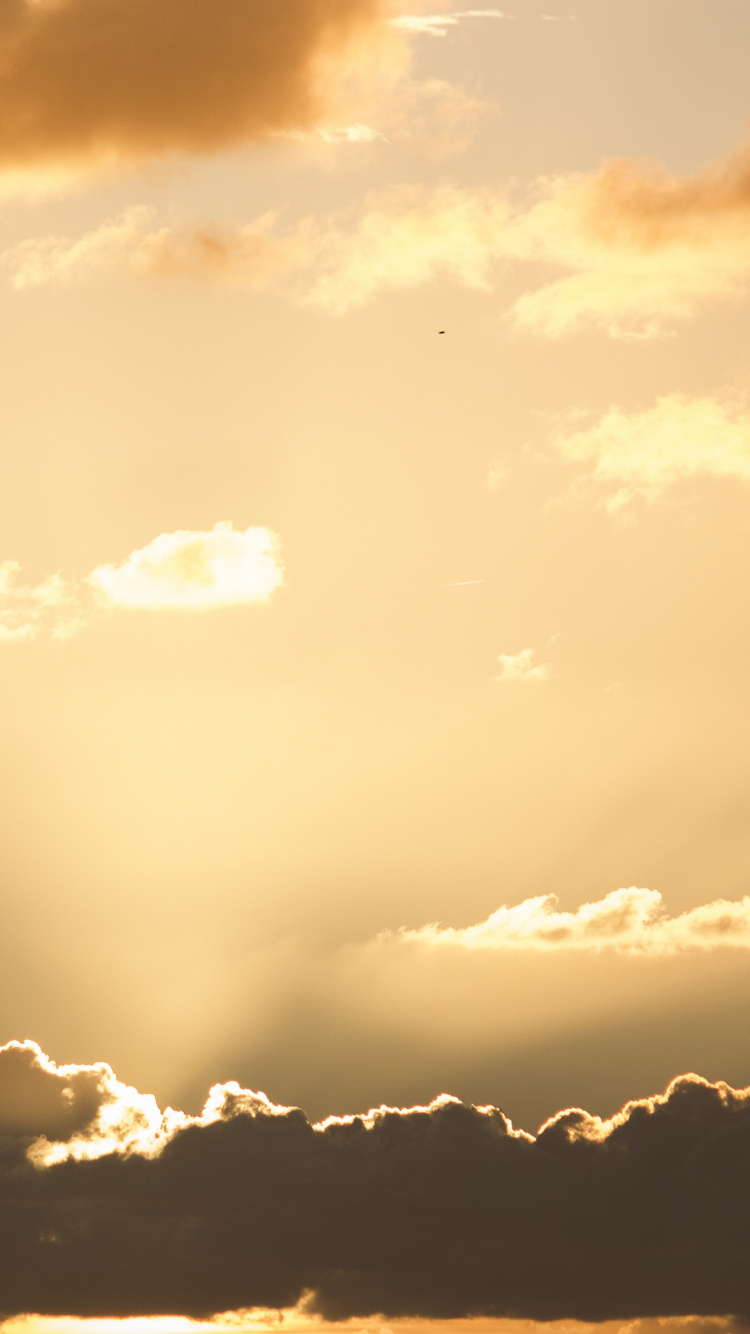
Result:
{"points": [[97, 81], [27, 610], [521, 667], [633, 921], [437, 25], [644, 247], [182, 571], [644, 453], [637, 248], [298, 1320], [190, 571], [442, 1210], [248, 256]]}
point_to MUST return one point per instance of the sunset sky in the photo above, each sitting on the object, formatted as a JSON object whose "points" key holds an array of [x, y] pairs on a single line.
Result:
{"points": [[374, 655]]}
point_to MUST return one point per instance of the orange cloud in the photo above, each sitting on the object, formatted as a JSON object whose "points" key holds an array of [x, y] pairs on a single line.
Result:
{"points": [[636, 248], [644, 453], [84, 81]]}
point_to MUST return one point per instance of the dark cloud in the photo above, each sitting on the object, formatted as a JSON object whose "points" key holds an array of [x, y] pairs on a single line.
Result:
{"points": [[88, 79], [441, 1211]]}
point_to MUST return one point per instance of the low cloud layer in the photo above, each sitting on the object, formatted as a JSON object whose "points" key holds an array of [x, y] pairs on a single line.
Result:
{"points": [[182, 571], [631, 920], [89, 81], [437, 1211], [635, 248], [644, 453]]}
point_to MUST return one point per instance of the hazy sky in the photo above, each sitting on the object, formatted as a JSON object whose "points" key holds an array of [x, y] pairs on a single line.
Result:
{"points": [[375, 554]]}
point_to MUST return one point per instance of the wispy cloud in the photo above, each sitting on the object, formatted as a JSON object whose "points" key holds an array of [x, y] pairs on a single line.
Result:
{"points": [[635, 249], [182, 571], [644, 453], [521, 667], [28, 609], [632, 921], [248, 256], [438, 25]]}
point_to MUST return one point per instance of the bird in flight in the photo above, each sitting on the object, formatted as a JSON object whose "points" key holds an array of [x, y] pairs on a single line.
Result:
{"points": [[441, 331]]}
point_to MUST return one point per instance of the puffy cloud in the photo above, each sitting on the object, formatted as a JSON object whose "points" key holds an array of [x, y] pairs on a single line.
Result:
{"points": [[441, 1210], [112, 80], [195, 571], [644, 453], [521, 667], [182, 571], [631, 920], [74, 1111]]}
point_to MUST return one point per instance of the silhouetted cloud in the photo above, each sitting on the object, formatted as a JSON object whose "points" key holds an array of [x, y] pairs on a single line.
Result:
{"points": [[87, 81], [441, 1211]]}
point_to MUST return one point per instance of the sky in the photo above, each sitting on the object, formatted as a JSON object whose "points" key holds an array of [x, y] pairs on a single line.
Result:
{"points": [[374, 555]]}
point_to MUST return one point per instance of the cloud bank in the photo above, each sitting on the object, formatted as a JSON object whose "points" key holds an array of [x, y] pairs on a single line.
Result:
{"points": [[84, 81], [181, 571], [632, 920], [635, 248], [440, 1211]]}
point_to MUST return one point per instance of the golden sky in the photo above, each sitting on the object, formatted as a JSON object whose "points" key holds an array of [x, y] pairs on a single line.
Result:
{"points": [[374, 555]]}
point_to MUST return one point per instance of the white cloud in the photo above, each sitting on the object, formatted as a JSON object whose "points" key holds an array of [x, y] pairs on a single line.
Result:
{"points": [[350, 134], [195, 571], [521, 667], [644, 453], [631, 920], [182, 571]]}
